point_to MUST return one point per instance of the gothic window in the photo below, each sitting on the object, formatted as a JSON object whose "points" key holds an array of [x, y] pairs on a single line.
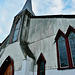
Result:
{"points": [[72, 45], [41, 65], [65, 44], [62, 52], [16, 31], [42, 68]]}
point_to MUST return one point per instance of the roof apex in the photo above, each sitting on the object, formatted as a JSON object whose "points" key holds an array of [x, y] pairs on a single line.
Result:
{"points": [[27, 6]]}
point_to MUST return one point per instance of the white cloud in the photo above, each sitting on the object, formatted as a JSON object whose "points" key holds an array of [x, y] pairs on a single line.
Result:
{"points": [[73, 4], [48, 6], [56, 7], [35, 6]]}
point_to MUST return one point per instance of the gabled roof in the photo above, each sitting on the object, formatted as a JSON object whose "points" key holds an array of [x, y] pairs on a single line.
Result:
{"points": [[27, 6]]}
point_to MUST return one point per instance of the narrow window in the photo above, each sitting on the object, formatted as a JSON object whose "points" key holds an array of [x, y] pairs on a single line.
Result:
{"points": [[41, 65], [42, 68], [62, 52], [15, 35], [72, 45]]}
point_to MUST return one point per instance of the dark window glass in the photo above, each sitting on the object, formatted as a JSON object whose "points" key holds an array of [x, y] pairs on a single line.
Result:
{"points": [[72, 45], [15, 35], [18, 24], [42, 68], [62, 52]]}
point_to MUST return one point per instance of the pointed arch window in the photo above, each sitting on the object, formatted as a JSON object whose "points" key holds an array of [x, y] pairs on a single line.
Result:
{"points": [[65, 44], [41, 65], [42, 68], [62, 52], [72, 45]]}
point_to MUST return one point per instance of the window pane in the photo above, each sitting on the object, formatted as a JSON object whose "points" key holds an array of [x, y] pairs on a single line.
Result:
{"points": [[41, 73], [16, 31], [18, 24], [42, 68], [62, 52], [15, 35], [72, 45]]}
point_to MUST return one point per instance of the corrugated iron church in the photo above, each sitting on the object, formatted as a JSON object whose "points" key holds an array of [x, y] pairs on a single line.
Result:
{"points": [[39, 45]]}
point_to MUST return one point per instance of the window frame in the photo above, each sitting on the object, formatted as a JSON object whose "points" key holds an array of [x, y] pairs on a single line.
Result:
{"points": [[59, 53], [41, 58], [14, 29], [71, 51], [69, 56]]}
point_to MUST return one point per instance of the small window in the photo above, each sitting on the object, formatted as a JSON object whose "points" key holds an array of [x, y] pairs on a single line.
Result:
{"points": [[15, 35], [16, 31], [42, 68], [41, 65]]}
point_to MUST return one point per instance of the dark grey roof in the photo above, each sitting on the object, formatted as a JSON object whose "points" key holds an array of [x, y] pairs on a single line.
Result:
{"points": [[54, 16], [27, 6]]}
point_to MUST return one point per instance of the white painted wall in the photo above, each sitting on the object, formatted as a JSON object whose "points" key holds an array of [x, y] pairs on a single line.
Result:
{"points": [[42, 33], [25, 70], [41, 37], [48, 48], [22, 71], [58, 72], [14, 51]]}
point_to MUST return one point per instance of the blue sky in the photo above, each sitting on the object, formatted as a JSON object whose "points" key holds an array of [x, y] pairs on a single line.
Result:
{"points": [[9, 9]]}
